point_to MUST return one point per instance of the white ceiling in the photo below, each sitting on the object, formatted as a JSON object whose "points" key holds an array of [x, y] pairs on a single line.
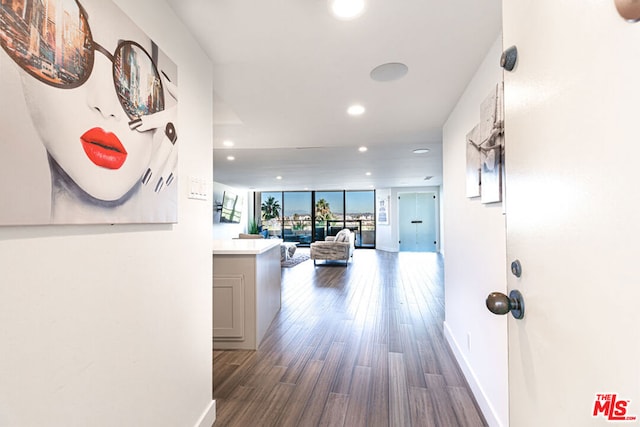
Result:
{"points": [[285, 72]]}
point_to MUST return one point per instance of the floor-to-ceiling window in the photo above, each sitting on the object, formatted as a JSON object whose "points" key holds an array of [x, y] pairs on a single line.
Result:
{"points": [[271, 212], [297, 217], [360, 217], [329, 213], [308, 216]]}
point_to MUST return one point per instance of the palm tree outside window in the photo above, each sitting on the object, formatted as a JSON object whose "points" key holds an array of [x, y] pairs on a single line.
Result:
{"points": [[270, 213]]}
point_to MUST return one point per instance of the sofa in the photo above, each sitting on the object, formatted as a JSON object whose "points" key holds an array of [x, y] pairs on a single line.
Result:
{"points": [[334, 248]]}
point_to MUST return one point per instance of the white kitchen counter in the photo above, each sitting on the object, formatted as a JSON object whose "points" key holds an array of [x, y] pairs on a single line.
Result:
{"points": [[246, 291], [244, 246]]}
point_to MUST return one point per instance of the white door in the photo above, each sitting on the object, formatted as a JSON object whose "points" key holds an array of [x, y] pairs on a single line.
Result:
{"points": [[572, 117], [417, 222]]}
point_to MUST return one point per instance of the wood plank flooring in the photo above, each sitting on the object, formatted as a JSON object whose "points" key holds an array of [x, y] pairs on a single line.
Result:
{"points": [[355, 346]]}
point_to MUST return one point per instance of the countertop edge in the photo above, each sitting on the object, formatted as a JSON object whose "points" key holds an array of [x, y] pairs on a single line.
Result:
{"points": [[244, 246]]}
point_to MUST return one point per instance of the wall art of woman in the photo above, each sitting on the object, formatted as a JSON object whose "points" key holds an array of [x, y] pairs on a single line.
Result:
{"points": [[82, 81]]}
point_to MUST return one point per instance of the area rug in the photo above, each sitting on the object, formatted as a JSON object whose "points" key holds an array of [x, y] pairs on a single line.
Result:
{"points": [[297, 259]]}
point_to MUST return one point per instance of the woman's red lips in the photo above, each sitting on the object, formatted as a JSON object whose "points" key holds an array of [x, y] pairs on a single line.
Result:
{"points": [[103, 148]]}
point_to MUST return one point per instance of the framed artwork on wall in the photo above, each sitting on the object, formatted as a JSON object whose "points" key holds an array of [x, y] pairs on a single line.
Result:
{"points": [[383, 198], [491, 161], [485, 151], [473, 163], [88, 117]]}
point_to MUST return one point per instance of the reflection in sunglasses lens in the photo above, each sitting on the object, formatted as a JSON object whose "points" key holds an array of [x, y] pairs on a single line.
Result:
{"points": [[57, 53], [61, 54], [137, 82]]}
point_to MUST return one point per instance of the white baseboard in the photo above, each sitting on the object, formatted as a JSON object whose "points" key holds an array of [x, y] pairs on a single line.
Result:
{"points": [[208, 417], [485, 405]]}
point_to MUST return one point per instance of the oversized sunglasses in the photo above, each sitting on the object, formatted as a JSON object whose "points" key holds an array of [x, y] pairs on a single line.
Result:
{"points": [[61, 53]]}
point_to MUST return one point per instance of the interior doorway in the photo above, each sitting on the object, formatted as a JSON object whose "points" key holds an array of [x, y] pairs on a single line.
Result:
{"points": [[417, 229]]}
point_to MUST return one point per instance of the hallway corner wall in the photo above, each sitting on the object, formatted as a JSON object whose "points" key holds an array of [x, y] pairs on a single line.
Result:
{"points": [[475, 263], [111, 325]]}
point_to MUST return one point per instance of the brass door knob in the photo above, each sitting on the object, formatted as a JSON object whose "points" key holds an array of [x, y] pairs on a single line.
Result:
{"points": [[499, 303]]}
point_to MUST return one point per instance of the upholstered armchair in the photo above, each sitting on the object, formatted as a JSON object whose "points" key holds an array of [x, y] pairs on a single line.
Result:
{"points": [[334, 248]]}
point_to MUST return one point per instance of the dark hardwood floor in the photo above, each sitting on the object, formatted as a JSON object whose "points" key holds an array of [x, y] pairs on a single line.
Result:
{"points": [[355, 346]]}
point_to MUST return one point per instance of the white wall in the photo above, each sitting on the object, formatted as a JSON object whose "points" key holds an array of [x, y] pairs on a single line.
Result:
{"points": [[222, 231], [111, 325], [475, 256], [384, 232], [387, 236]]}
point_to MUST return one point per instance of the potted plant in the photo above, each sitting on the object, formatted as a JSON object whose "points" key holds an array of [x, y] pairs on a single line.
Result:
{"points": [[253, 227]]}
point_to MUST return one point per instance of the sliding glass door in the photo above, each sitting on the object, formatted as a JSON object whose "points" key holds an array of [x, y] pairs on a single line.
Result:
{"points": [[329, 213], [271, 212], [360, 217], [297, 218]]}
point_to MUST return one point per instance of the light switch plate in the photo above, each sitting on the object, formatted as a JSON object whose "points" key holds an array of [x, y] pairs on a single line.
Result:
{"points": [[198, 188]]}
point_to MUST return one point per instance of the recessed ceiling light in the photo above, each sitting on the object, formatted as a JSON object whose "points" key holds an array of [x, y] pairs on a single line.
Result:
{"points": [[278, 177], [227, 143], [355, 110], [389, 72], [420, 151], [230, 158], [368, 174], [346, 9], [362, 149]]}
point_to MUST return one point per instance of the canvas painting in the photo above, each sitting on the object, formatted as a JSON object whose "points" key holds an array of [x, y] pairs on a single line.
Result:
{"points": [[473, 163], [491, 161], [89, 132], [485, 151]]}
